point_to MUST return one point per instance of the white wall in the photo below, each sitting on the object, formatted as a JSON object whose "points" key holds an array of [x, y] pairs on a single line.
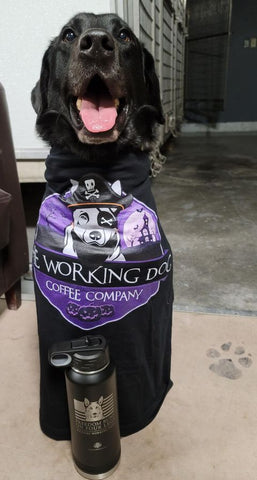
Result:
{"points": [[26, 28]]}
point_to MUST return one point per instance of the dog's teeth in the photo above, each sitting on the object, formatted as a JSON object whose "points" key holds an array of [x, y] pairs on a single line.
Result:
{"points": [[116, 102], [78, 103]]}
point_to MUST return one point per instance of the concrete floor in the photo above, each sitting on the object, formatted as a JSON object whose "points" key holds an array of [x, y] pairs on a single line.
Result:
{"points": [[206, 196]]}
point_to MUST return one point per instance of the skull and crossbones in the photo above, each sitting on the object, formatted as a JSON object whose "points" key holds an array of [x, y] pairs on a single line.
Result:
{"points": [[91, 190]]}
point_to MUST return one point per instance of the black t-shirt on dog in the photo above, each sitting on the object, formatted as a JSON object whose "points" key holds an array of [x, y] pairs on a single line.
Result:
{"points": [[103, 265]]}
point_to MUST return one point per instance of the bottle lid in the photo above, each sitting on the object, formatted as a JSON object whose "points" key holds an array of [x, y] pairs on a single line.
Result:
{"points": [[87, 354]]}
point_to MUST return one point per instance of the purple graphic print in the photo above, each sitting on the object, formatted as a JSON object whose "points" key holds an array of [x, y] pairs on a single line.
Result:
{"points": [[97, 253]]}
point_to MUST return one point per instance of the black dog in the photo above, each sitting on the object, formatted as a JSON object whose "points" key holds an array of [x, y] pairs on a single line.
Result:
{"points": [[101, 260], [97, 85]]}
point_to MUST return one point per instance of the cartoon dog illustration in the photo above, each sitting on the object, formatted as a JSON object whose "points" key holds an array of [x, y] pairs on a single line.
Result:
{"points": [[96, 227], [94, 232]]}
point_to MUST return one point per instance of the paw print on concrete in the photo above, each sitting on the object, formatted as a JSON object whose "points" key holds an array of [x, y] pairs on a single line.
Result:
{"points": [[227, 367]]}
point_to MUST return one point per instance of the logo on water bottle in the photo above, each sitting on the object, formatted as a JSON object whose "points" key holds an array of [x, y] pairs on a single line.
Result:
{"points": [[94, 417]]}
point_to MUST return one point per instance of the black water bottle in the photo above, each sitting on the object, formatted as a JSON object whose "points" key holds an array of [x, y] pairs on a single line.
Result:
{"points": [[92, 400]]}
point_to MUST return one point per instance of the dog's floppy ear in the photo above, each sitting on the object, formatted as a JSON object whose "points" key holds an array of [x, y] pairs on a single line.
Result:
{"points": [[39, 92], [152, 84]]}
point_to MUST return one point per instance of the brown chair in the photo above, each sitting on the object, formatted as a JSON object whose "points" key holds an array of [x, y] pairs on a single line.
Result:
{"points": [[14, 258]]}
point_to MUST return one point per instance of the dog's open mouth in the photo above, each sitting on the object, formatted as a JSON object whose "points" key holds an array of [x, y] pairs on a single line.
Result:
{"points": [[99, 110]]}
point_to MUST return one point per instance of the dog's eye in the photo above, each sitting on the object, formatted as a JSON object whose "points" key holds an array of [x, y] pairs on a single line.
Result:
{"points": [[83, 219], [125, 35], [68, 35]]}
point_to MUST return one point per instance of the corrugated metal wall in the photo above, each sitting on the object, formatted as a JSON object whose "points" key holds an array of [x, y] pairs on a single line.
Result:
{"points": [[160, 25]]}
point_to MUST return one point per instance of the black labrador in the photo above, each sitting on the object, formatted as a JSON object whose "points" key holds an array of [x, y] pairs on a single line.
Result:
{"points": [[98, 85], [102, 263]]}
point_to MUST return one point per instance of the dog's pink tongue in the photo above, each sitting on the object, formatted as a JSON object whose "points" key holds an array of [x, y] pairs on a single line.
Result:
{"points": [[98, 115]]}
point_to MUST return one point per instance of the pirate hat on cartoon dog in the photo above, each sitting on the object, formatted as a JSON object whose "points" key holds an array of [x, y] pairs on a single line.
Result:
{"points": [[92, 190]]}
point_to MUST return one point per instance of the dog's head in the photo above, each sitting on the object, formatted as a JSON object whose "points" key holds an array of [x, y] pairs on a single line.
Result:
{"points": [[97, 86]]}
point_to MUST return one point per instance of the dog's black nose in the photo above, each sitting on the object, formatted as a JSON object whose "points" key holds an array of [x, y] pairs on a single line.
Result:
{"points": [[97, 42], [95, 235]]}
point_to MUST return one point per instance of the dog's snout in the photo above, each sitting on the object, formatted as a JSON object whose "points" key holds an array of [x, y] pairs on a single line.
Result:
{"points": [[97, 42], [95, 235]]}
